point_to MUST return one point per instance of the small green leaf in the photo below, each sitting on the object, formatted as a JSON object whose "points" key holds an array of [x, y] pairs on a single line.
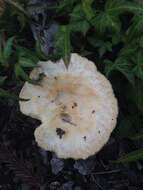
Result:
{"points": [[25, 62], [77, 14], [4, 93], [26, 77], [136, 28], [85, 53], [141, 42], [115, 7], [95, 42], [109, 67], [88, 10], [2, 79], [120, 64], [24, 52], [8, 48], [127, 50], [64, 6], [138, 61], [127, 73], [81, 26], [78, 20], [134, 7], [102, 51], [66, 52], [19, 72], [62, 42], [104, 21], [115, 39], [108, 46], [39, 52], [137, 136], [103, 46], [138, 70], [133, 156], [22, 20]]}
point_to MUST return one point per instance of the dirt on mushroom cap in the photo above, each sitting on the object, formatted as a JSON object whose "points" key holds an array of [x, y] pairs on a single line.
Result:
{"points": [[77, 107]]}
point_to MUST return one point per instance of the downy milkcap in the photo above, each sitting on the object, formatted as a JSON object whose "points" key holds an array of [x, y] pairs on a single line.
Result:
{"points": [[76, 106]]}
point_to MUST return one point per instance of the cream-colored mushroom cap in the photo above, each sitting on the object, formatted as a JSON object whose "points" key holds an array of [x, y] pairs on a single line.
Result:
{"points": [[76, 106]]}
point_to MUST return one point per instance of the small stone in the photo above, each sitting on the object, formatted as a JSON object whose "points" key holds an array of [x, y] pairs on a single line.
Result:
{"points": [[85, 167], [67, 186], [44, 156], [77, 188], [54, 185], [57, 165], [25, 186]]}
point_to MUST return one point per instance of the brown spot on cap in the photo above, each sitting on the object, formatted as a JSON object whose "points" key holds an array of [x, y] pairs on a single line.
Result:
{"points": [[74, 105], [66, 117], [84, 138], [60, 132]]}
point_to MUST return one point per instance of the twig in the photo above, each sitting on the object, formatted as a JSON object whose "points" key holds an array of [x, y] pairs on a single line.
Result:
{"points": [[107, 172]]}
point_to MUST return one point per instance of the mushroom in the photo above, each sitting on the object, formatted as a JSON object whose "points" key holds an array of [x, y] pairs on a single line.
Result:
{"points": [[76, 106]]}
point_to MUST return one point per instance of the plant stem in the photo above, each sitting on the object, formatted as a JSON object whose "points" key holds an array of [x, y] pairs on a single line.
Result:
{"points": [[18, 7]]}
